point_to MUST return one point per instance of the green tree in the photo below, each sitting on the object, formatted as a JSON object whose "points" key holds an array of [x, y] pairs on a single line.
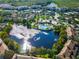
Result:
{"points": [[13, 46], [8, 54], [3, 34], [8, 27]]}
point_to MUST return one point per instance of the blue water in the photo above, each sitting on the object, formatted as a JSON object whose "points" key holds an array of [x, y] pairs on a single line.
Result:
{"points": [[44, 39], [44, 27]]}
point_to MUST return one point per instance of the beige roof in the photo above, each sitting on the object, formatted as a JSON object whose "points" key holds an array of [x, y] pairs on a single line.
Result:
{"points": [[67, 49], [3, 47], [16, 56], [69, 31], [69, 44]]}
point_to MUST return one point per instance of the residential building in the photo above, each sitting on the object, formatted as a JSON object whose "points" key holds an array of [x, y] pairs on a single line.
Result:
{"points": [[69, 50]]}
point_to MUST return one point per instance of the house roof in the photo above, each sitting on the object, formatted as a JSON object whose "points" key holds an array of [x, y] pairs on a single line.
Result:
{"points": [[68, 49], [3, 47], [8, 6], [22, 7], [70, 31], [16, 56], [52, 5]]}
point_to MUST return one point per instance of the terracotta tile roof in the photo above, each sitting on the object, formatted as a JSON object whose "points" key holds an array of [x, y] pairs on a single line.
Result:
{"points": [[3, 47], [68, 49]]}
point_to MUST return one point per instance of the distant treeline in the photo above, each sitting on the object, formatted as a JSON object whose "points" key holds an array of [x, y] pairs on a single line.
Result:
{"points": [[61, 3], [26, 2]]}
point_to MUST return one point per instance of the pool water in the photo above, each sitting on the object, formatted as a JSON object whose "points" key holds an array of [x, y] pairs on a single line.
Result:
{"points": [[44, 39], [44, 27]]}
